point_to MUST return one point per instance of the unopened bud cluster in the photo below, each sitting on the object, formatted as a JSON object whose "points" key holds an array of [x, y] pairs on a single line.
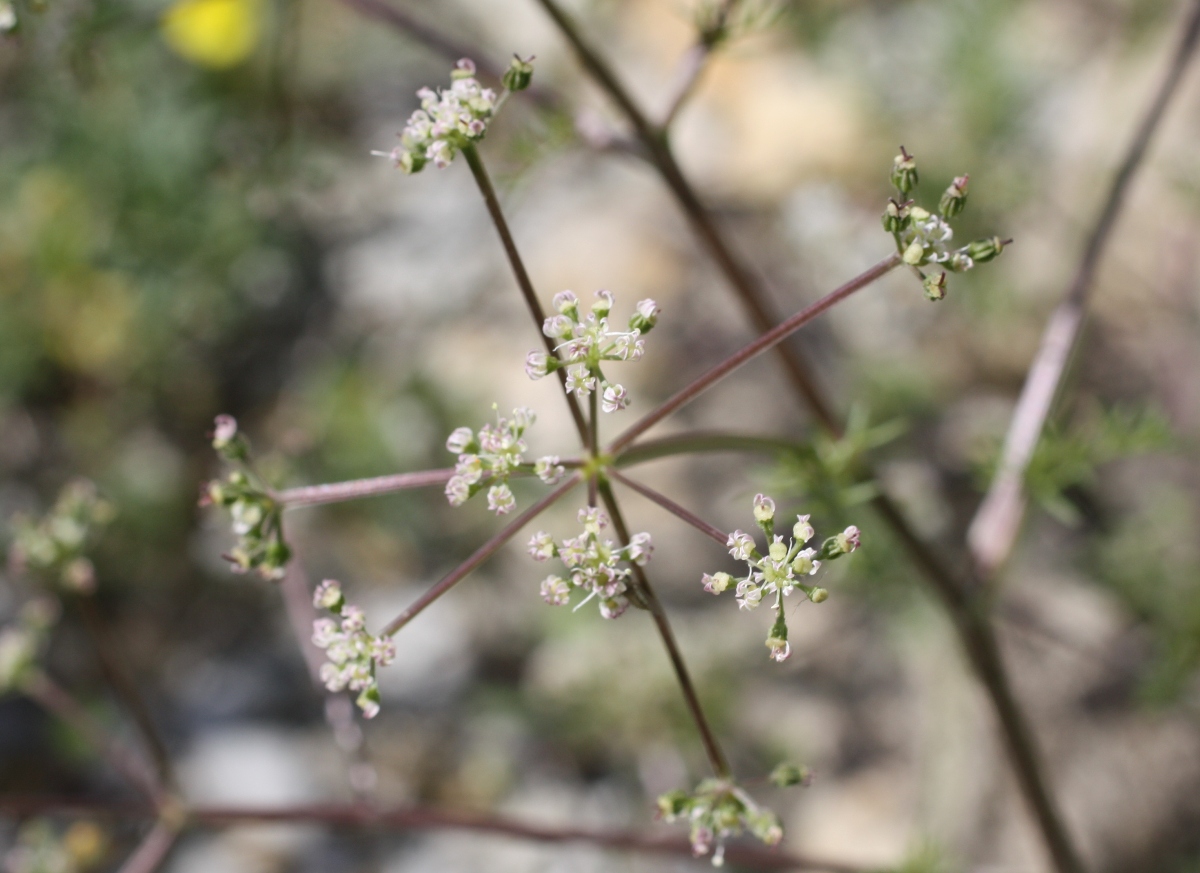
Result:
{"points": [[491, 457], [447, 121], [257, 515], [353, 652], [781, 570], [717, 810], [586, 339], [593, 564], [22, 640], [923, 237], [52, 548]]}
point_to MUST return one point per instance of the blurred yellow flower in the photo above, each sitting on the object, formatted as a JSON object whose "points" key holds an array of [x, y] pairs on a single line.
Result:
{"points": [[213, 33]]}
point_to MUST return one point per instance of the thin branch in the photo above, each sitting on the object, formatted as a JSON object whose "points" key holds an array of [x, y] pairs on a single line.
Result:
{"points": [[153, 850], [57, 700], [480, 555], [691, 67], [750, 291], [522, 276], [993, 532], [751, 350], [125, 690], [712, 747], [356, 489], [420, 818], [672, 507], [695, 442]]}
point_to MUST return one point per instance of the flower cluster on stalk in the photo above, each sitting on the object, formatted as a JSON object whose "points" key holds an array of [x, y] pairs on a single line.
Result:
{"points": [[257, 515], [593, 564], [585, 340], [717, 810], [41, 847], [490, 457], [353, 652], [781, 570], [52, 548], [923, 237], [447, 121]]}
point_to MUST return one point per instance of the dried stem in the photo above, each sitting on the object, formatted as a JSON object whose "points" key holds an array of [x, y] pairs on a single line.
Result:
{"points": [[672, 507], [692, 65], [356, 489], [480, 555], [423, 818], [522, 276], [55, 698], [751, 350], [993, 531], [712, 748]]}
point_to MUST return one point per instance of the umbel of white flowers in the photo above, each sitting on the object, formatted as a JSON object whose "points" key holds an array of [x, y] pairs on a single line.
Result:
{"points": [[593, 563], [490, 457], [780, 570], [584, 340], [353, 653]]}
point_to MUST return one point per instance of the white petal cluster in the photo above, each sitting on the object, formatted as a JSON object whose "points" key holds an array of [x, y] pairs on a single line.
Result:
{"points": [[716, 811], [22, 640], [781, 570], [585, 340], [446, 122], [353, 653], [491, 457], [593, 564]]}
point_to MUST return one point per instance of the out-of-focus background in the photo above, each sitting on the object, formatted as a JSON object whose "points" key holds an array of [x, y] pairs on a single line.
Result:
{"points": [[191, 223]]}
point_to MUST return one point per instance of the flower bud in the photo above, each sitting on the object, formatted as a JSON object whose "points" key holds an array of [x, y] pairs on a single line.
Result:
{"points": [[896, 216], [368, 701], [954, 198], [786, 775], [959, 262], [672, 804], [566, 303], [717, 582], [463, 69], [983, 250], [818, 595], [764, 509], [645, 316], [461, 440], [914, 254], [603, 303], [904, 172], [802, 530], [935, 286], [519, 74], [328, 595]]}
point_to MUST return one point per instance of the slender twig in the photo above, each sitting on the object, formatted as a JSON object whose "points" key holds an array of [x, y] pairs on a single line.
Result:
{"points": [[750, 291], [125, 690], [480, 555], [672, 507], [712, 747], [692, 65], [522, 276], [55, 698], [153, 850], [993, 531], [751, 350], [356, 489], [703, 441], [423, 818]]}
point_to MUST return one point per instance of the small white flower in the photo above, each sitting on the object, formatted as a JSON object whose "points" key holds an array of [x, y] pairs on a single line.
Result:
{"points": [[802, 530], [556, 591], [805, 563], [781, 650], [325, 632], [640, 549], [541, 546], [536, 365], [548, 469], [717, 582], [566, 301], [500, 499], [580, 381], [613, 607], [558, 327], [458, 490], [615, 398], [741, 546], [764, 509], [459, 440], [353, 619], [328, 595]]}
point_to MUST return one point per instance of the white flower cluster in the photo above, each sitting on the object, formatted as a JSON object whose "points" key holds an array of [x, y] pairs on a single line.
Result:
{"points": [[716, 811], [586, 340], [446, 122], [594, 564], [495, 453], [781, 570], [353, 652]]}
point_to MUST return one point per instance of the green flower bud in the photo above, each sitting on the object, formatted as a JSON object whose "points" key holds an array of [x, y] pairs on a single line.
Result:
{"points": [[914, 254], [896, 216], [673, 804], [935, 286], [519, 74], [904, 172], [983, 250], [786, 775], [954, 198], [818, 595]]}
